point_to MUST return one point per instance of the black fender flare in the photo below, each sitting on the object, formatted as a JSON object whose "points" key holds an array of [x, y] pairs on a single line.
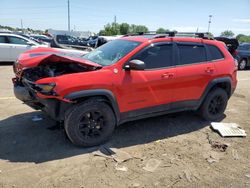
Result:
{"points": [[97, 93], [215, 82]]}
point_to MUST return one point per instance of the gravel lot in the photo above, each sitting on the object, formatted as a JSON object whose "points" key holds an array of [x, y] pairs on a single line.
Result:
{"points": [[38, 154]]}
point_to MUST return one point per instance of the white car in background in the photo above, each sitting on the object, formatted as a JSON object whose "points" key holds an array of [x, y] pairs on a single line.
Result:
{"points": [[12, 45]]}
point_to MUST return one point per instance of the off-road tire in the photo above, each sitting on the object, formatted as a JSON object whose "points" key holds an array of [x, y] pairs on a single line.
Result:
{"points": [[76, 126], [214, 105]]}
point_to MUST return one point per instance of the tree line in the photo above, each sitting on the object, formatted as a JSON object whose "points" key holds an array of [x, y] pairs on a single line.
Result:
{"points": [[125, 28]]}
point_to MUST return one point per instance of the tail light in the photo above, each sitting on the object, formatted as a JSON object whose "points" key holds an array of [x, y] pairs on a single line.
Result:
{"points": [[235, 53], [236, 63]]}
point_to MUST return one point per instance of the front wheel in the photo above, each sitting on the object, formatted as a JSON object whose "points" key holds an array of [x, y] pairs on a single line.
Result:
{"points": [[90, 123], [214, 105]]}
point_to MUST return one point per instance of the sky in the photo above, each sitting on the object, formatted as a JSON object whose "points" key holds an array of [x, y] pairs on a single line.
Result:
{"points": [[180, 15]]}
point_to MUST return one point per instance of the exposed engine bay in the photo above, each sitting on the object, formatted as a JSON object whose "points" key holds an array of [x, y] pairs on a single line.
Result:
{"points": [[51, 69]]}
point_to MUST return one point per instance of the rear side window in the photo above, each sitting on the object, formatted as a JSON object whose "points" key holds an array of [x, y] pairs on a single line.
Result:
{"points": [[156, 56], [191, 53], [2, 39], [214, 53]]}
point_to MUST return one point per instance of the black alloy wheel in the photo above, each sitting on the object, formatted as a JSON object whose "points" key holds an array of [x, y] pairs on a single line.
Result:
{"points": [[90, 123]]}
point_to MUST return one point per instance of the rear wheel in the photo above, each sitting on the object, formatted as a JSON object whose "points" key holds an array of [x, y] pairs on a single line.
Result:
{"points": [[242, 64], [90, 123], [214, 105]]}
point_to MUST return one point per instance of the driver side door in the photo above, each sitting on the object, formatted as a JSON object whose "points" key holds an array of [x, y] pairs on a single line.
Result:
{"points": [[152, 87]]}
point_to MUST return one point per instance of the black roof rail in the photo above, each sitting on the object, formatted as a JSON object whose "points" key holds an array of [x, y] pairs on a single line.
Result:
{"points": [[166, 34], [174, 34], [134, 34], [205, 35]]}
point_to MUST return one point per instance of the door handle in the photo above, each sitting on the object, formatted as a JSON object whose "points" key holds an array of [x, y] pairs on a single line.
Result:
{"points": [[209, 70], [168, 75]]}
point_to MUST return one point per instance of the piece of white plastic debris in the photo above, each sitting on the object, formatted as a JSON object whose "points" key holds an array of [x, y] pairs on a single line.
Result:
{"points": [[122, 168], [121, 156], [228, 129], [152, 165], [37, 118]]}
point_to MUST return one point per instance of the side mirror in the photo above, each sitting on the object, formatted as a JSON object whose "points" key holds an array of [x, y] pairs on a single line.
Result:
{"points": [[135, 65]]}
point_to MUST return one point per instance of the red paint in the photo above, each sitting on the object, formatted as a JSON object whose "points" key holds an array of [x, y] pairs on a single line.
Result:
{"points": [[139, 89]]}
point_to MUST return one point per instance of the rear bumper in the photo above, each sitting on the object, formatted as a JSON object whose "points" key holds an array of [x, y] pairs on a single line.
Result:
{"points": [[52, 107]]}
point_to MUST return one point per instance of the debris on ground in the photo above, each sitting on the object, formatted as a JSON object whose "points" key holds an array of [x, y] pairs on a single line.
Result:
{"points": [[235, 155], [228, 129], [187, 175], [247, 175], [217, 145], [136, 185], [112, 153], [213, 158], [121, 156], [152, 165], [104, 152], [122, 168], [36, 118]]}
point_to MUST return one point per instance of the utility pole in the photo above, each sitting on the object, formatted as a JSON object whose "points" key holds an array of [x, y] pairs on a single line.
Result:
{"points": [[209, 22], [22, 25], [68, 17], [115, 19], [115, 24]]}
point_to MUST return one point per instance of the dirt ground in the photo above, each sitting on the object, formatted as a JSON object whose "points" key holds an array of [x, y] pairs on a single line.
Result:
{"points": [[38, 154]]}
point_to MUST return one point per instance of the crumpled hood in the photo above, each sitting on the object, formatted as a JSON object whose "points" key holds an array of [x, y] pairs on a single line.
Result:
{"points": [[34, 57]]}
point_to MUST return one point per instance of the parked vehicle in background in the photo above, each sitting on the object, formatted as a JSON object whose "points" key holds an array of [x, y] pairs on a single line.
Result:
{"points": [[242, 54], [231, 43], [130, 78], [12, 45], [67, 41], [41, 38]]}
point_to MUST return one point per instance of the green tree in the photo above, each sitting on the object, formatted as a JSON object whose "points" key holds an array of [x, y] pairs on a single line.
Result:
{"points": [[243, 38], [161, 30], [124, 28], [227, 33], [102, 32], [141, 28], [239, 36], [121, 29]]}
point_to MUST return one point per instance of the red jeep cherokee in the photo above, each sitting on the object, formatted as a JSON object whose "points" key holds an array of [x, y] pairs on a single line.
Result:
{"points": [[129, 78]]}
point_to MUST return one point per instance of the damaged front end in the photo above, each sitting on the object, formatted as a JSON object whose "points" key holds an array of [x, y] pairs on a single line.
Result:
{"points": [[30, 88]]}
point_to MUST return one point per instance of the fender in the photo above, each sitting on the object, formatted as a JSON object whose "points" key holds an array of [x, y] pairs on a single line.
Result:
{"points": [[97, 92], [214, 82]]}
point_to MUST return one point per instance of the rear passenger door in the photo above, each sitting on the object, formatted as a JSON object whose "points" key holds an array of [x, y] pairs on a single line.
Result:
{"points": [[193, 71], [4, 49]]}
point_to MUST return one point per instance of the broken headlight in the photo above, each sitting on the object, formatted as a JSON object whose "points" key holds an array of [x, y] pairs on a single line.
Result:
{"points": [[46, 89]]}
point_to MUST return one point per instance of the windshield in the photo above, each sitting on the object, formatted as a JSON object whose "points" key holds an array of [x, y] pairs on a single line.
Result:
{"points": [[111, 52]]}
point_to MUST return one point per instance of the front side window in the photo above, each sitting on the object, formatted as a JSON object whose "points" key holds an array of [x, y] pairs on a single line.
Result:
{"points": [[111, 52], [191, 53], [16, 40], [156, 56]]}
